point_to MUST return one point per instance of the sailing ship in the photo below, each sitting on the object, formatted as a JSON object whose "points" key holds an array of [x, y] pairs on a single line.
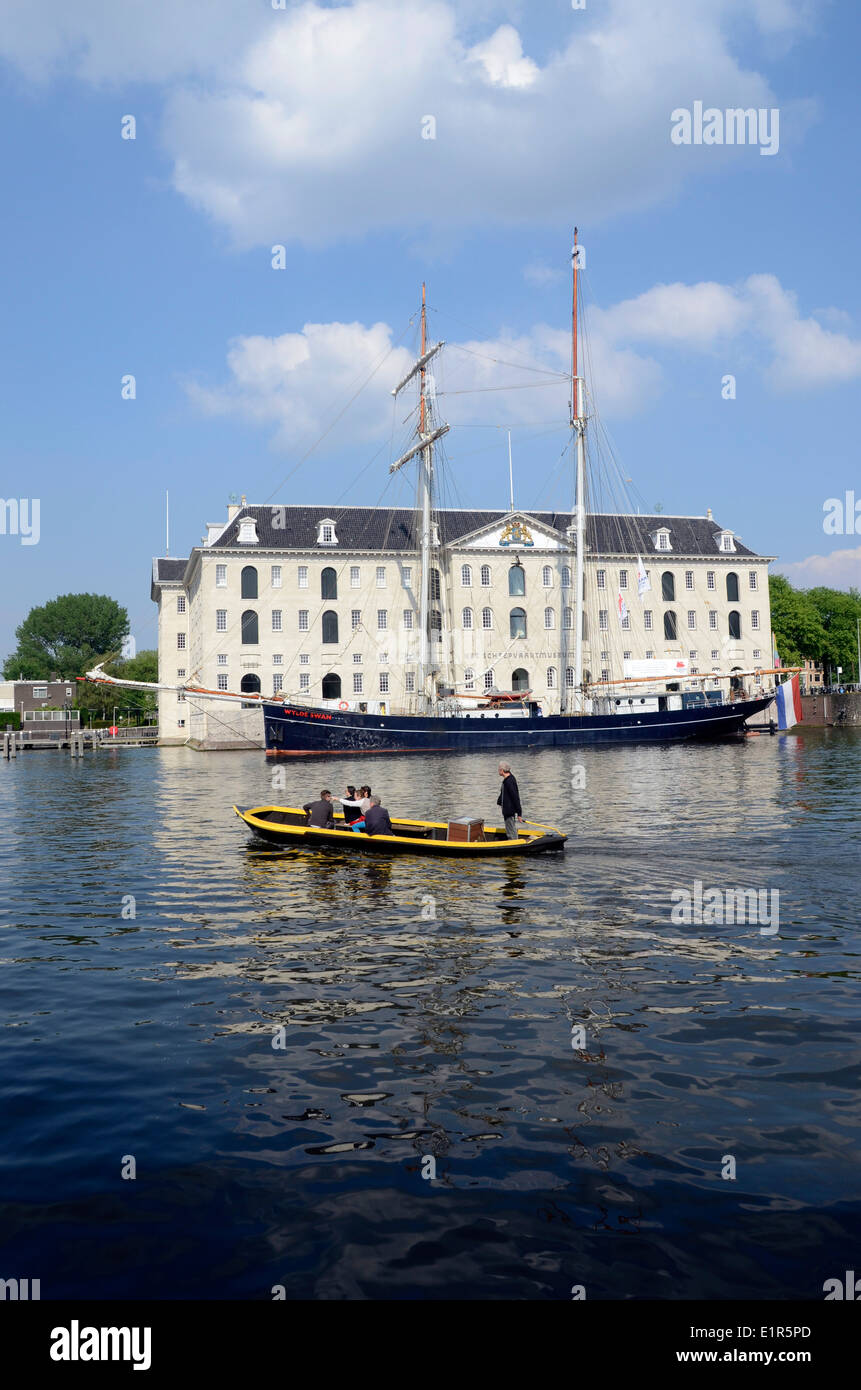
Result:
{"points": [[647, 706]]}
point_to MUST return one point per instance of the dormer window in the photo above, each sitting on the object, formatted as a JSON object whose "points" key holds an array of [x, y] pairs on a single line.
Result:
{"points": [[248, 532], [726, 541], [326, 532], [661, 538]]}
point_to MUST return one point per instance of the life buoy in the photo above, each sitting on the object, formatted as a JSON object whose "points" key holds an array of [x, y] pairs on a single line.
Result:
{"points": [[343, 705]]}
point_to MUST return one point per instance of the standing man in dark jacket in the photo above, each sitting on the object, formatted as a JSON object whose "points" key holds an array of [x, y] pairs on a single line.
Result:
{"points": [[320, 813], [509, 800], [377, 820]]}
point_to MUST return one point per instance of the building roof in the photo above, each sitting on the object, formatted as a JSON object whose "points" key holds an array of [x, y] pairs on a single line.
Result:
{"points": [[395, 529]]}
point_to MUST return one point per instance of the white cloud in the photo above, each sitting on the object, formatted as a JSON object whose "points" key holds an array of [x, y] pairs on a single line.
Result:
{"points": [[541, 275], [839, 570], [305, 124]]}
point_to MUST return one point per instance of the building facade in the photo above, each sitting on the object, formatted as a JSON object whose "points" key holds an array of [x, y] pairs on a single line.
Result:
{"points": [[321, 605]]}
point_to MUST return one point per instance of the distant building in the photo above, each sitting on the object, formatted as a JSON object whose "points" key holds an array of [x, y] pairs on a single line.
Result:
{"points": [[812, 677], [40, 702], [321, 604]]}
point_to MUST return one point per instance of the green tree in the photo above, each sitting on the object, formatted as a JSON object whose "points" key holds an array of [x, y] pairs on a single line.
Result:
{"points": [[839, 613], [796, 623], [67, 636], [100, 700]]}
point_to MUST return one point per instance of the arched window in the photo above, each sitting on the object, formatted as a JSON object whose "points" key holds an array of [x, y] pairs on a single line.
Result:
{"points": [[668, 587], [328, 583], [487, 618], [466, 576], [547, 577], [568, 619], [549, 618], [520, 679], [670, 632], [331, 687], [250, 685], [732, 587], [466, 619], [551, 677], [330, 626], [517, 580], [249, 628], [735, 625], [485, 576], [517, 622], [566, 576], [249, 582], [434, 584]]}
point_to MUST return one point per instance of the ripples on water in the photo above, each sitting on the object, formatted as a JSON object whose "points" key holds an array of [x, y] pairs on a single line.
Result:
{"points": [[405, 1038]]}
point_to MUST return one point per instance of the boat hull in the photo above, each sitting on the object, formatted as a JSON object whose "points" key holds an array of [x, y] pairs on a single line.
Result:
{"points": [[288, 827], [298, 731]]}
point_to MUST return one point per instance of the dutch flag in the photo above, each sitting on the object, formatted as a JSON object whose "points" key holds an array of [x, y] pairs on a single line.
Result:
{"points": [[788, 701]]}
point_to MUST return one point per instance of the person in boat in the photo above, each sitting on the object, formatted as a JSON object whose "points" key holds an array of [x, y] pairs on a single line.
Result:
{"points": [[350, 803], [509, 800], [320, 813], [364, 800], [377, 821]]}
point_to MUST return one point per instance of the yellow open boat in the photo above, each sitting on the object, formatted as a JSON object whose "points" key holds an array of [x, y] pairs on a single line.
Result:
{"points": [[288, 825]]}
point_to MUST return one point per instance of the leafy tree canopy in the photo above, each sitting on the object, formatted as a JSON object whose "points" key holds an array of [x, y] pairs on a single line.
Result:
{"points": [[66, 636], [816, 625], [101, 699]]}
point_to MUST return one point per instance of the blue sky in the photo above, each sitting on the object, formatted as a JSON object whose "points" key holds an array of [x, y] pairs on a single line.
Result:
{"points": [[302, 126]]}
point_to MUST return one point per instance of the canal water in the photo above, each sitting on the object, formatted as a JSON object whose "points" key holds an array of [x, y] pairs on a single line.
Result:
{"points": [[489, 1081]]}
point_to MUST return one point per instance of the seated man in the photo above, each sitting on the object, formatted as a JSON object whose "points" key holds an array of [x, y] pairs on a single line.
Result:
{"points": [[377, 820], [320, 813]]}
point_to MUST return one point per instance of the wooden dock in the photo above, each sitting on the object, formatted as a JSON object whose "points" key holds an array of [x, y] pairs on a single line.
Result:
{"points": [[77, 741]]}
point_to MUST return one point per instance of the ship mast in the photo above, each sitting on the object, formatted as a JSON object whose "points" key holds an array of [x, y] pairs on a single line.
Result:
{"points": [[578, 425], [427, 438]]}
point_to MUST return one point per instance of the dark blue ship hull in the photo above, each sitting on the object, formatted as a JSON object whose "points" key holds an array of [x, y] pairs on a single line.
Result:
{"points": [[294, 731]]}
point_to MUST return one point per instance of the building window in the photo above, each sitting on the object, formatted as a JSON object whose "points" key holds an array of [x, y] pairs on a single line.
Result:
{"points": [[516, 580], [754, 619], [601, 579], [662, 540], [732, 587], [466, 576], [547, 577], [381, 576], [330, 627], [603, 619], [668, 587], [566, 577], [568, 619], [689, 579], [355, 577], [248, 582], [710, 579], [735, 625], [756, 653], [180, 674], [382, 619], [626, 656], [712, 621], [303, 619], [250, 685], [180, 723], [180, 641], [275, 576], [408, 620], [407, 577], [726, 541], [670, 633], [623, 579], [488, 680], [569, 677], [384, 682], [647, 619], [626, 622], [692, 656], [355, 618], [304, 680], [605, 656], [605, 673], [222, 680], [551, 677], [357, 658], [328, 583], [384, 658], [180, 603], [469, 679], [435, 625], [358, 682], [692, 618], [434, 585], [276, 619], [277, 683], [326, 532], [485, 576], [221, 576], [221, 659], [753, 579], [249, 628], [549, 619], [331, 686], [517, 622], [466, 619], [715, 655], [410, 682], [40, 692], [277, 659], [303, 576], [221, 620], [487, 618]]}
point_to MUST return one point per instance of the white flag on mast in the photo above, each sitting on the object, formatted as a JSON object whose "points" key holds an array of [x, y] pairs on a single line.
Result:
{"points": [[644, 583]]}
